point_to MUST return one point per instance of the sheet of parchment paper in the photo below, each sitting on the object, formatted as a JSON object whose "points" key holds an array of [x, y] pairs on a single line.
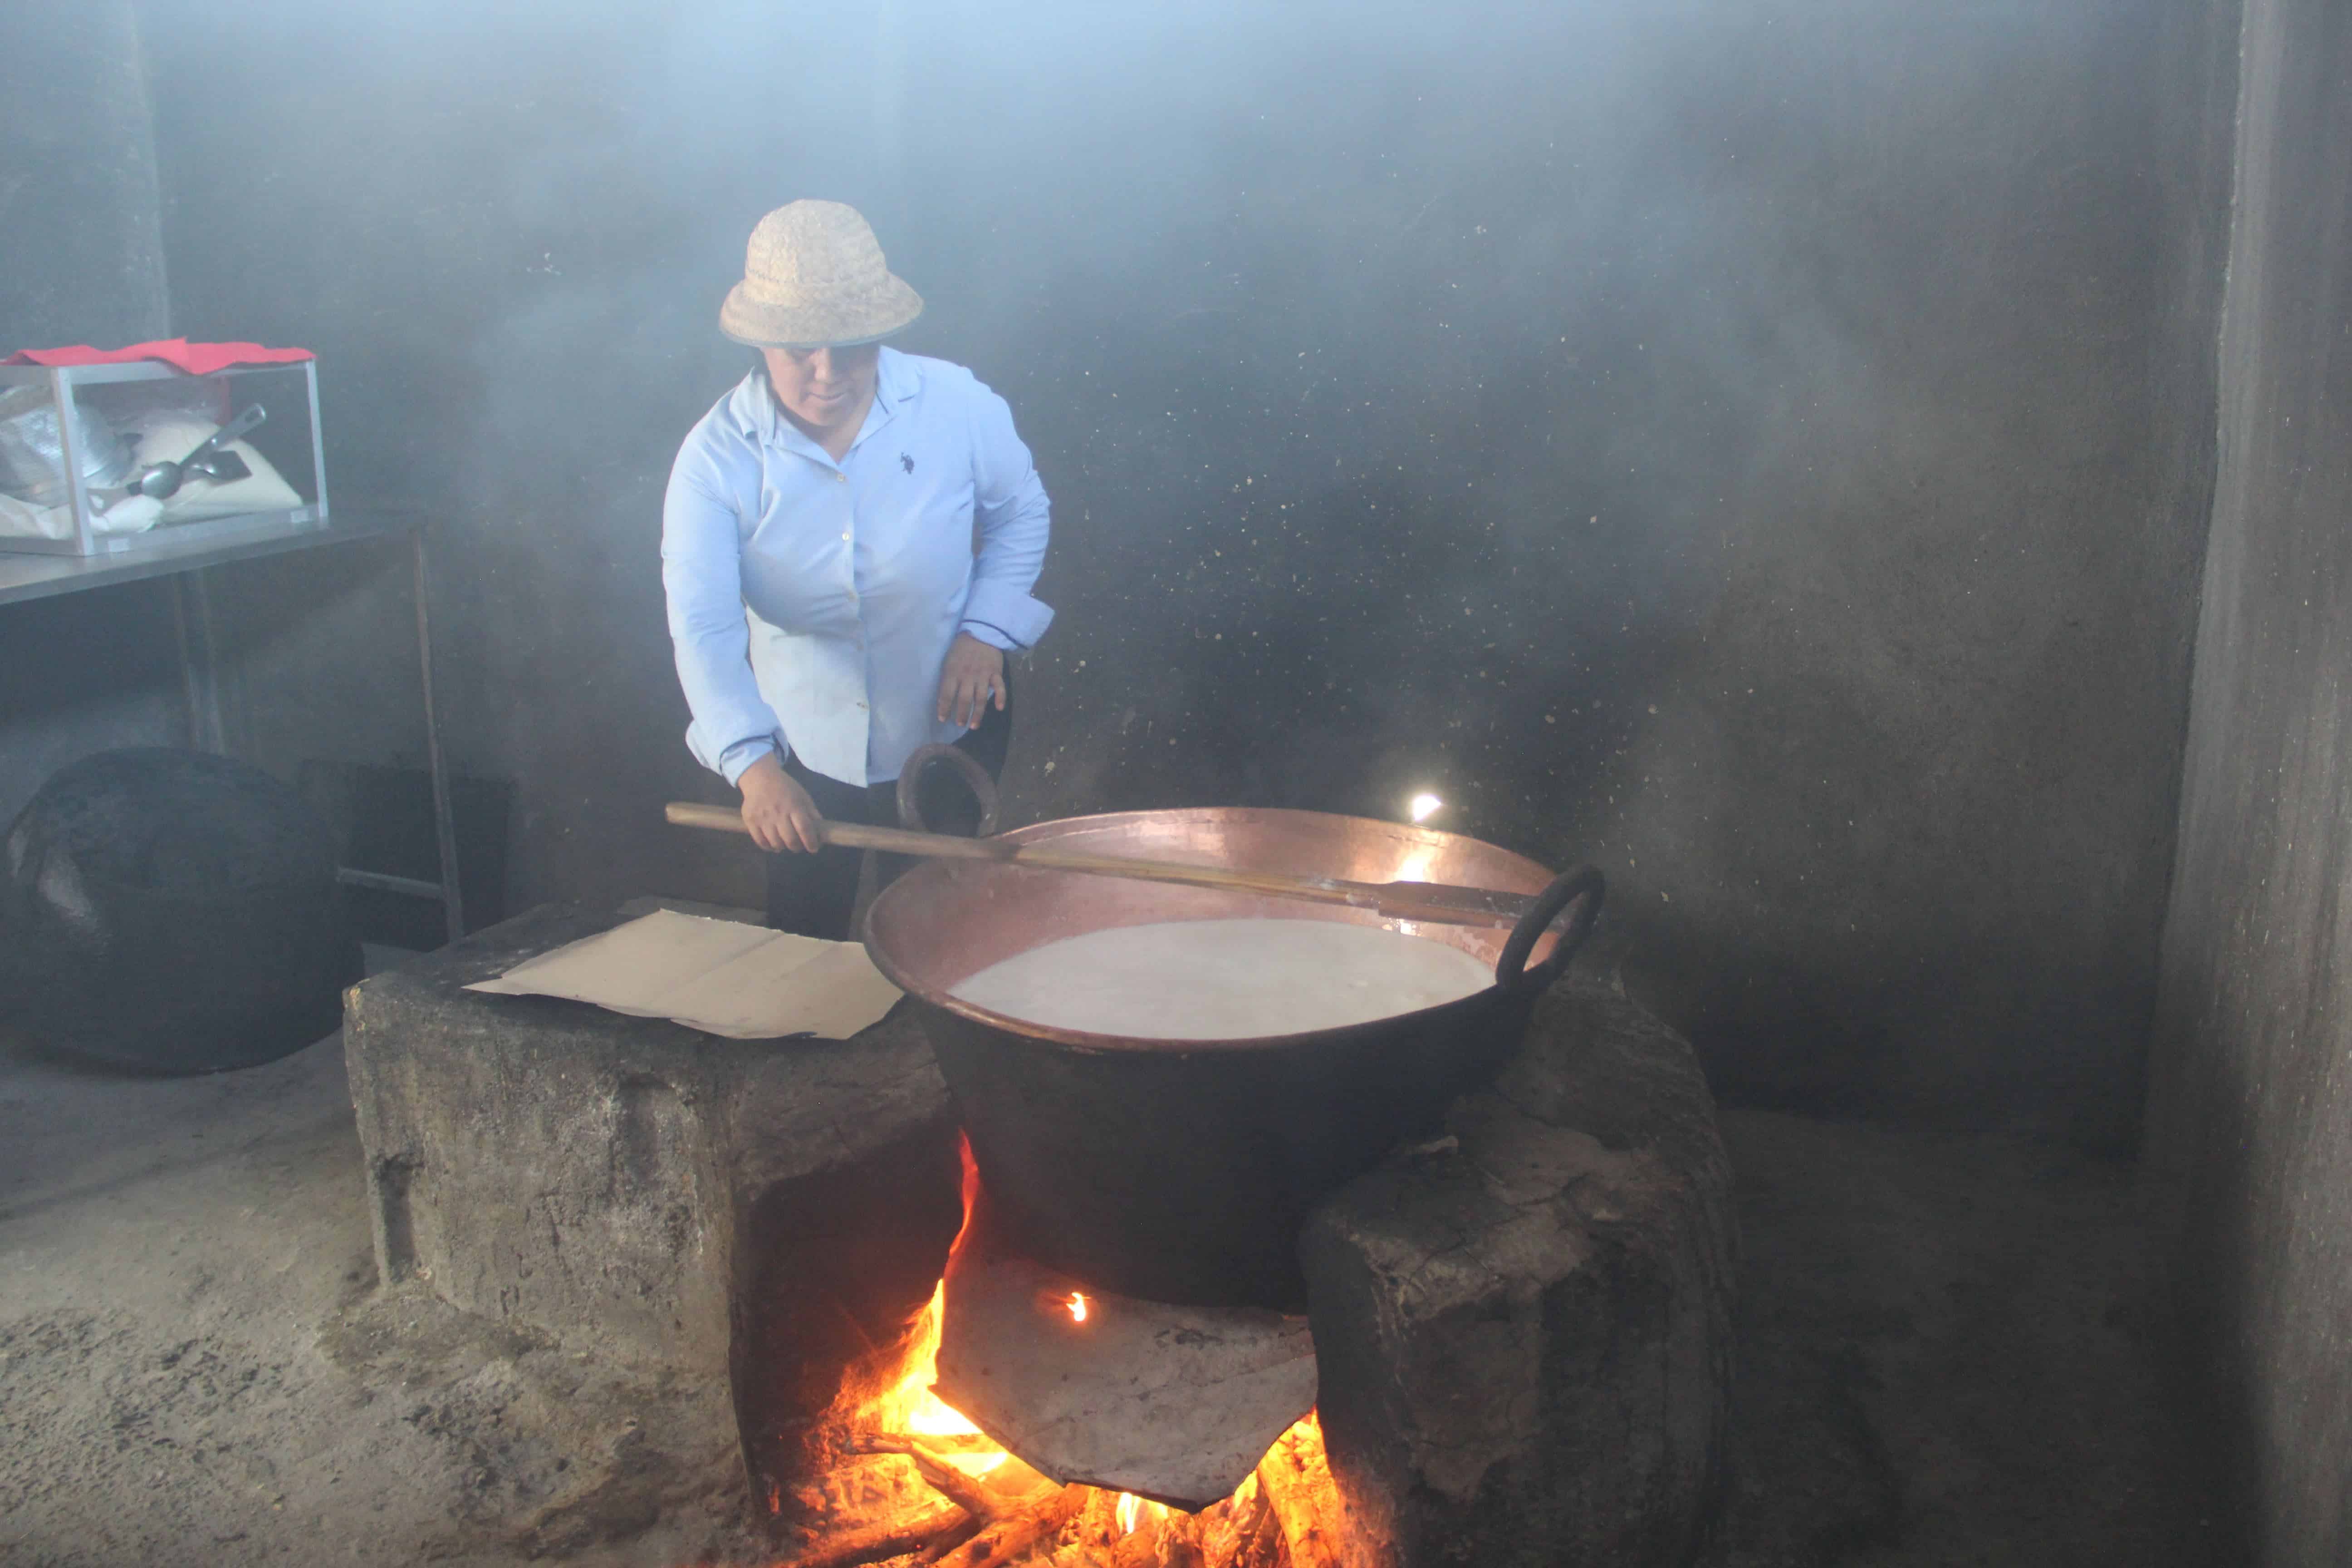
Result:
{"points": [[744, 982]]}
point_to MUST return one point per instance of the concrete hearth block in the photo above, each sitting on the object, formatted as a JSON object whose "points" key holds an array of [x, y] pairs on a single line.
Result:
{"points": [[660, 1198], [1524, 1328]]}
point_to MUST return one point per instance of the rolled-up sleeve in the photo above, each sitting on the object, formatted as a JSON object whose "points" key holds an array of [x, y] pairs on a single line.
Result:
{"points": [[733, 726], [1008, 505]]}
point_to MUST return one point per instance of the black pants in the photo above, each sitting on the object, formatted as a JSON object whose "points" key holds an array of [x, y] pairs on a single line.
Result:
{"points": [[814, 895]]}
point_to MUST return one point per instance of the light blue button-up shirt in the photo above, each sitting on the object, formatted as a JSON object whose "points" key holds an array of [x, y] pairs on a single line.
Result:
{"points": [[812, 602]]}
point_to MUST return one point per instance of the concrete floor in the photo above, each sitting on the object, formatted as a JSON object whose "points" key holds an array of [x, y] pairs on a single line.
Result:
{"points": [[169, 1252], [1947, 1350], [192, 1362], [1949, 1354]]}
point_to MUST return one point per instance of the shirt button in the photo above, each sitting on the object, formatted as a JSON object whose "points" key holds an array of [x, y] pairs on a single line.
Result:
{"points": [[841, 477], [844, 539]]}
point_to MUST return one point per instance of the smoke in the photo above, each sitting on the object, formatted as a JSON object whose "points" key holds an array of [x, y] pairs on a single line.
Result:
{"points": [[1676, 435]]}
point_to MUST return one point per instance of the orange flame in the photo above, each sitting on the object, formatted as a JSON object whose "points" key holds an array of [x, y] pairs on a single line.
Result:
{"points": [[971, 1197], [1134, 1512], [909, 1405]]}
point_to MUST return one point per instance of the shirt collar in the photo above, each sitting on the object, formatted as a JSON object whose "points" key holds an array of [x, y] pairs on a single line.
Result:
{"points": [[896, 380]]}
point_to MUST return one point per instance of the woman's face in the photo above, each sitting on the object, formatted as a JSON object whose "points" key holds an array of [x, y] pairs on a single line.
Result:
{"points": [[824, 388]]}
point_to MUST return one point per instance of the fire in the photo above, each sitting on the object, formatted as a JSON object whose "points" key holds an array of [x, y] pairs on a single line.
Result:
{"points": [[906, 1411], [1133, 1512], [909, 1407]]}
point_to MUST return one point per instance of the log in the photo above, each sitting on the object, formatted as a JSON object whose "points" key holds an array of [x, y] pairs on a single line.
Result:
{"points": [[1140, 1548], [1098, 1519], [1013, 1537], [1298, 1480], [938, 1474], [881, 1542], [1228, 1529], [949, 1541], [1183, 1542], [1267, 1548], [946, 1442]]}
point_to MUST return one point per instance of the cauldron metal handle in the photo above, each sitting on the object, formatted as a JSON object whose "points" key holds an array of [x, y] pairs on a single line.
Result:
{"points": [[1581, 885], [910, 779]]}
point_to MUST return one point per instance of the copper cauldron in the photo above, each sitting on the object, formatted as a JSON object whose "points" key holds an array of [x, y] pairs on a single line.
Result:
{"points": [[1180, 1170]]}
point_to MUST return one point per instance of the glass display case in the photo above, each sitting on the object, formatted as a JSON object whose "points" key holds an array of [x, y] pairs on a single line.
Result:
{"points": [[100, 458]]}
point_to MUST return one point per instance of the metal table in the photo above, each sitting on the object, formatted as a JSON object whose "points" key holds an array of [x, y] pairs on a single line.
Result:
{"points": [[26, 576]]}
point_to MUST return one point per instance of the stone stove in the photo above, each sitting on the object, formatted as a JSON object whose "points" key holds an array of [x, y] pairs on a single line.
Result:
{"points": [[1522, 1328]]}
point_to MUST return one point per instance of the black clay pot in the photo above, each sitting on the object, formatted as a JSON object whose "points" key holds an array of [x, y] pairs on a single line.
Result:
{"points": [[173, 912]]}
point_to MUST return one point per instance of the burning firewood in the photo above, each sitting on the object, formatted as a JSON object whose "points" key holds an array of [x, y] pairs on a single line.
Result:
{"points": [[939, 1474], [1160, 1543], [951, 1442], [1011, 1538], [1268, 1547], [1098, 1523], [883, 1541], [1230, 1530], [1296, 1477], [949, 1541]]}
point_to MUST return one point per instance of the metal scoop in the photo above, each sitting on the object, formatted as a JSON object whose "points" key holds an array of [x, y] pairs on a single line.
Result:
{"points": [[210, 460]]}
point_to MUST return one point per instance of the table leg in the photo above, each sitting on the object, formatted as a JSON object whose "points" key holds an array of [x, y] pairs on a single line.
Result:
{"points": [[192, 624], [444, 828]]}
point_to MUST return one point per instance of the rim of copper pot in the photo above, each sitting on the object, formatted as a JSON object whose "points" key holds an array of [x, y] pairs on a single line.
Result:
{"points": [[1083, 1039]]}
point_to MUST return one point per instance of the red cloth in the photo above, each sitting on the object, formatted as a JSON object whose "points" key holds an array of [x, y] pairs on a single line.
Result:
{"points": [[196, 359]]}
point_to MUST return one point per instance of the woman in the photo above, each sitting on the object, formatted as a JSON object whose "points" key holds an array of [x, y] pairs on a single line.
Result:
{"points": [[827, 607]]}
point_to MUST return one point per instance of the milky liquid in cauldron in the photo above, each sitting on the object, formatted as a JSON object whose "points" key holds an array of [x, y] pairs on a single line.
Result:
{"points": [[1225, 980]]}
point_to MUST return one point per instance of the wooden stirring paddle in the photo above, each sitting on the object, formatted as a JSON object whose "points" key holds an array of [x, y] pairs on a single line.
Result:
{"points": [[1434, 903]]}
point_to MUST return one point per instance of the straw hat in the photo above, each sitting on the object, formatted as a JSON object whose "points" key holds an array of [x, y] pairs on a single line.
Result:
{"points": [[813, 277]]}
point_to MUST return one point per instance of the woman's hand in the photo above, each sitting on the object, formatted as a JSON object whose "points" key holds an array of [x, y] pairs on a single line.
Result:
{"points": [[779, 812], [974, 672]]}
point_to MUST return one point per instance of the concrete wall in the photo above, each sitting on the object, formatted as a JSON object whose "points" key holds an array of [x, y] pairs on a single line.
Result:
{"points": [[2250, 1109], [1738, 443], [81, 260]]}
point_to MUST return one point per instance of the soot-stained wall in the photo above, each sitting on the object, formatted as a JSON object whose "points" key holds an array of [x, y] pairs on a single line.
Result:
{"points": [[81, 260], [2250, 1106], [1736, 443]]}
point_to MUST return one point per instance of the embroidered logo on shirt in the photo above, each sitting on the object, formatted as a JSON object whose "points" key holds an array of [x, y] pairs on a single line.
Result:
{"points": [[905, 462]]}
